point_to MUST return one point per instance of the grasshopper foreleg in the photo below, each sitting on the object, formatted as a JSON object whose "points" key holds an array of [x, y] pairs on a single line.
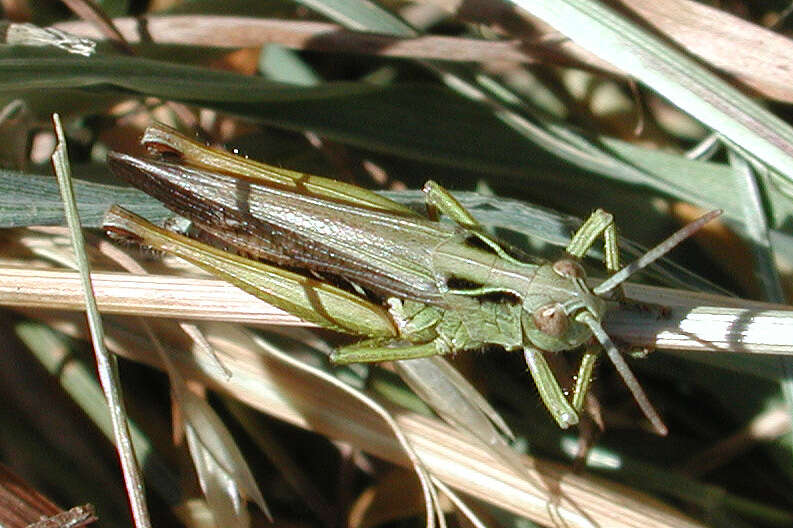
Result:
{"points": [[602, 223], [584, 377], [551, 393]]}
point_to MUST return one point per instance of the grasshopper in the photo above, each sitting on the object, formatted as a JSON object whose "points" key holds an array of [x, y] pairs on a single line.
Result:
{"points": [[445, 287]]}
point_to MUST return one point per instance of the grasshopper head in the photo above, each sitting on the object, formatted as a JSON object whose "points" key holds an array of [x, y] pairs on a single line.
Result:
{"points": [[560, 312], [558, 293]]}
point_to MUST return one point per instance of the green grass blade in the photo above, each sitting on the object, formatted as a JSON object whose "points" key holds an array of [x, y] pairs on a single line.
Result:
{"points": [[739, 119], [36, 69]]}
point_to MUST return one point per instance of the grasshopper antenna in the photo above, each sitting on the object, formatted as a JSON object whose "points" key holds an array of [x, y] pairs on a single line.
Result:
{"points": [[654, 254], [624, 370]]}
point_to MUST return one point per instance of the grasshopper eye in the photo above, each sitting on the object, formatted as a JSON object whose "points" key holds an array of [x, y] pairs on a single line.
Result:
{"points": [[568, 268], [551, 319]]}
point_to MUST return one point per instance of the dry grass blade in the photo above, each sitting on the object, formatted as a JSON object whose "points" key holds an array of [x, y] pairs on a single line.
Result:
{"points": [[726, 42], [22, 506], [224, 476], [151, 295], [239, 32], [106, 363], [226, 480], [432, 505], [720, 39], [453, 398], [742, 122], [94, 14], [692, 321], [288, 466], [30, 35]]}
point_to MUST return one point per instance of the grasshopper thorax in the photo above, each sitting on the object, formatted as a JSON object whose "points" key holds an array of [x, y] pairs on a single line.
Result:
{"points": [[555, 295]]}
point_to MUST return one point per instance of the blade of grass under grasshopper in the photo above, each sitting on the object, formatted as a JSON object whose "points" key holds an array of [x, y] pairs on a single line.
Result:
{"points": [[455, 400], [226, 480], [430, 497], [106, 363], [276, 451], [674, 75], [694, 321]]}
